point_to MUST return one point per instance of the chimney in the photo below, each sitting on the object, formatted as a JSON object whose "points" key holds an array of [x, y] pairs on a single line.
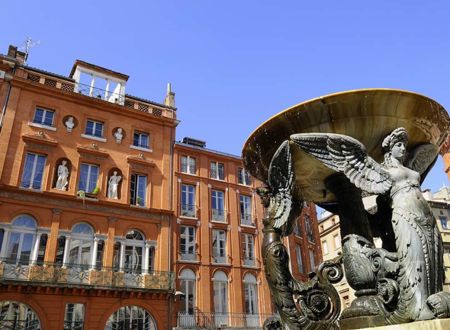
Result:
{"points": [[20, 57], [170, 97]]}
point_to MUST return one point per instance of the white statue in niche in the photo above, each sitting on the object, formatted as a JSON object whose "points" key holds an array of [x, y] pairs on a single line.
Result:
{"points": [[119, 135], [63, 175], [113, 185], [70, 124]]}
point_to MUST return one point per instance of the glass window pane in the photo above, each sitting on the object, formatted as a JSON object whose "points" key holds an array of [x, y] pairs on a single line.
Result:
{"points": [[38, 115]]}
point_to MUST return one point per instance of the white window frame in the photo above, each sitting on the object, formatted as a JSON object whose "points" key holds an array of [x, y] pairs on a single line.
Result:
{"points": [[312, 261], [94, 128], [188, 165], [42, 122], [218, 205], [33, 170], [325, 247], [88, 177], [74, 316], [251, 300], [219, 246], [188, 210], [298, 253], [248, 241], [214, 169], [220, 291], [245, 208], [244, 177], [188, 286], [139, 178], [187, 233], [337, 241], [140, 135]]}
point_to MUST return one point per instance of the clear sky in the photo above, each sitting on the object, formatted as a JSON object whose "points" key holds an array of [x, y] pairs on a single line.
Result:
{"points": [[233, 64]]}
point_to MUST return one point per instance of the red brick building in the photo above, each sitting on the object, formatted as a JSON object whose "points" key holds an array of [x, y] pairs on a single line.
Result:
{"points": [[106, 223]]}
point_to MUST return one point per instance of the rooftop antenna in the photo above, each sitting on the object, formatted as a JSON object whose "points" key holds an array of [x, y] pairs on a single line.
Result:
{"points": [[28, 44]]}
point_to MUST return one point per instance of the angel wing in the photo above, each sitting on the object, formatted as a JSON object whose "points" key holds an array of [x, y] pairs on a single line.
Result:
{"points": [[344, 154], [422, 158], [281, 182]]}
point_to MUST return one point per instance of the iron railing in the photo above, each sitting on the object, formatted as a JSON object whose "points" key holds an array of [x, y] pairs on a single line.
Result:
{"points": [[99, 93], [84, 275], [218, 215], [20, 325], [188, 210], [201, 320], [73, 325]]}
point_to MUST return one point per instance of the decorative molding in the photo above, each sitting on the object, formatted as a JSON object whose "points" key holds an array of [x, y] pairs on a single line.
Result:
{"points": [[39, 139]]}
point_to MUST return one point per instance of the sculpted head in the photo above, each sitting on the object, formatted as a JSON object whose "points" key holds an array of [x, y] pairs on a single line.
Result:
{"points": [[394, 145]]}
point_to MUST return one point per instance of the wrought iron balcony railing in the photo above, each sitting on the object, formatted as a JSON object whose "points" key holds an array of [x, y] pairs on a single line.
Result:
{"points": [[188, 210], [100, 93], [218, 215], [84, 275], [221, 320], [19, 325]]}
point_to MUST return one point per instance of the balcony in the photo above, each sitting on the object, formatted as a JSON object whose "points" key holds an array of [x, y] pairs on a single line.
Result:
{"points": [[249, 262], [188, 256], [83, 276], [246, 219], [218, 215], [188, 210], [219, 259], [218, 320], [99, 93]]}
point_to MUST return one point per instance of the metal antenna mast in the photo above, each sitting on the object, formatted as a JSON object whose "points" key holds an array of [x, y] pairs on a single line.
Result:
{"points": [[29, 43]]}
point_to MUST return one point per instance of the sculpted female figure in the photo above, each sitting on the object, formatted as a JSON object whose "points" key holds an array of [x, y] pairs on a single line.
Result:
{"points": [[417, 239]]}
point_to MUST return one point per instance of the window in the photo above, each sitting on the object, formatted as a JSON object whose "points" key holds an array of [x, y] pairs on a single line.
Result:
{"points": [[248, 248], [246, 210], [19, 242], [298, 252], [312, 262], [217, 171], [133, 256], [443, 221], [188, 200], [33, 171], [309, 229], [88, 177], [187, 243], [16, 315], [141, 140], [220, 281], [43, 116], [244, 177], [217, 205], [81, 243], [337, 241], [138, 187], [94, 128], [187, 286], [74, 317], [131, 318], [219, 246], [188, 165], [297, 228], [251, 301], [325, 247]]}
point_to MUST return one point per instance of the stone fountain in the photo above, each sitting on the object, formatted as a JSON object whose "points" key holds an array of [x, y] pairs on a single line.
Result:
{"points": [[334, 151]]}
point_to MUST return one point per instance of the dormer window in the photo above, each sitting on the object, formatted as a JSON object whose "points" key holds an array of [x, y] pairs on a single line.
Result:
{"points": [[97, 82]]}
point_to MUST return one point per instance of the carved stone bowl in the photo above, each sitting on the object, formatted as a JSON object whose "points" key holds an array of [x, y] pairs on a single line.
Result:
{"points": [[367, 115]]}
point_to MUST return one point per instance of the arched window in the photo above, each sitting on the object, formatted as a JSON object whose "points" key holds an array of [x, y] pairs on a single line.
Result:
{"points": [[133, 254], [187, 286], [81, 245], [251, 300], [131, 318], [220, 281], [20, 240], [16, 315]]}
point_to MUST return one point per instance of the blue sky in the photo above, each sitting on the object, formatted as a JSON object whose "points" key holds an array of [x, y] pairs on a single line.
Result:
{"points": [[233, 64]]}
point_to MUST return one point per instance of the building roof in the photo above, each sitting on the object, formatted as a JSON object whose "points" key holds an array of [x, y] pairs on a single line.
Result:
{"points": [[208, 150], [97, 68]]}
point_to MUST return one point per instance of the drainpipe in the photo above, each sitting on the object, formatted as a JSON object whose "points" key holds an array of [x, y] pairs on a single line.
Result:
{"points": [[171, 268]]}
